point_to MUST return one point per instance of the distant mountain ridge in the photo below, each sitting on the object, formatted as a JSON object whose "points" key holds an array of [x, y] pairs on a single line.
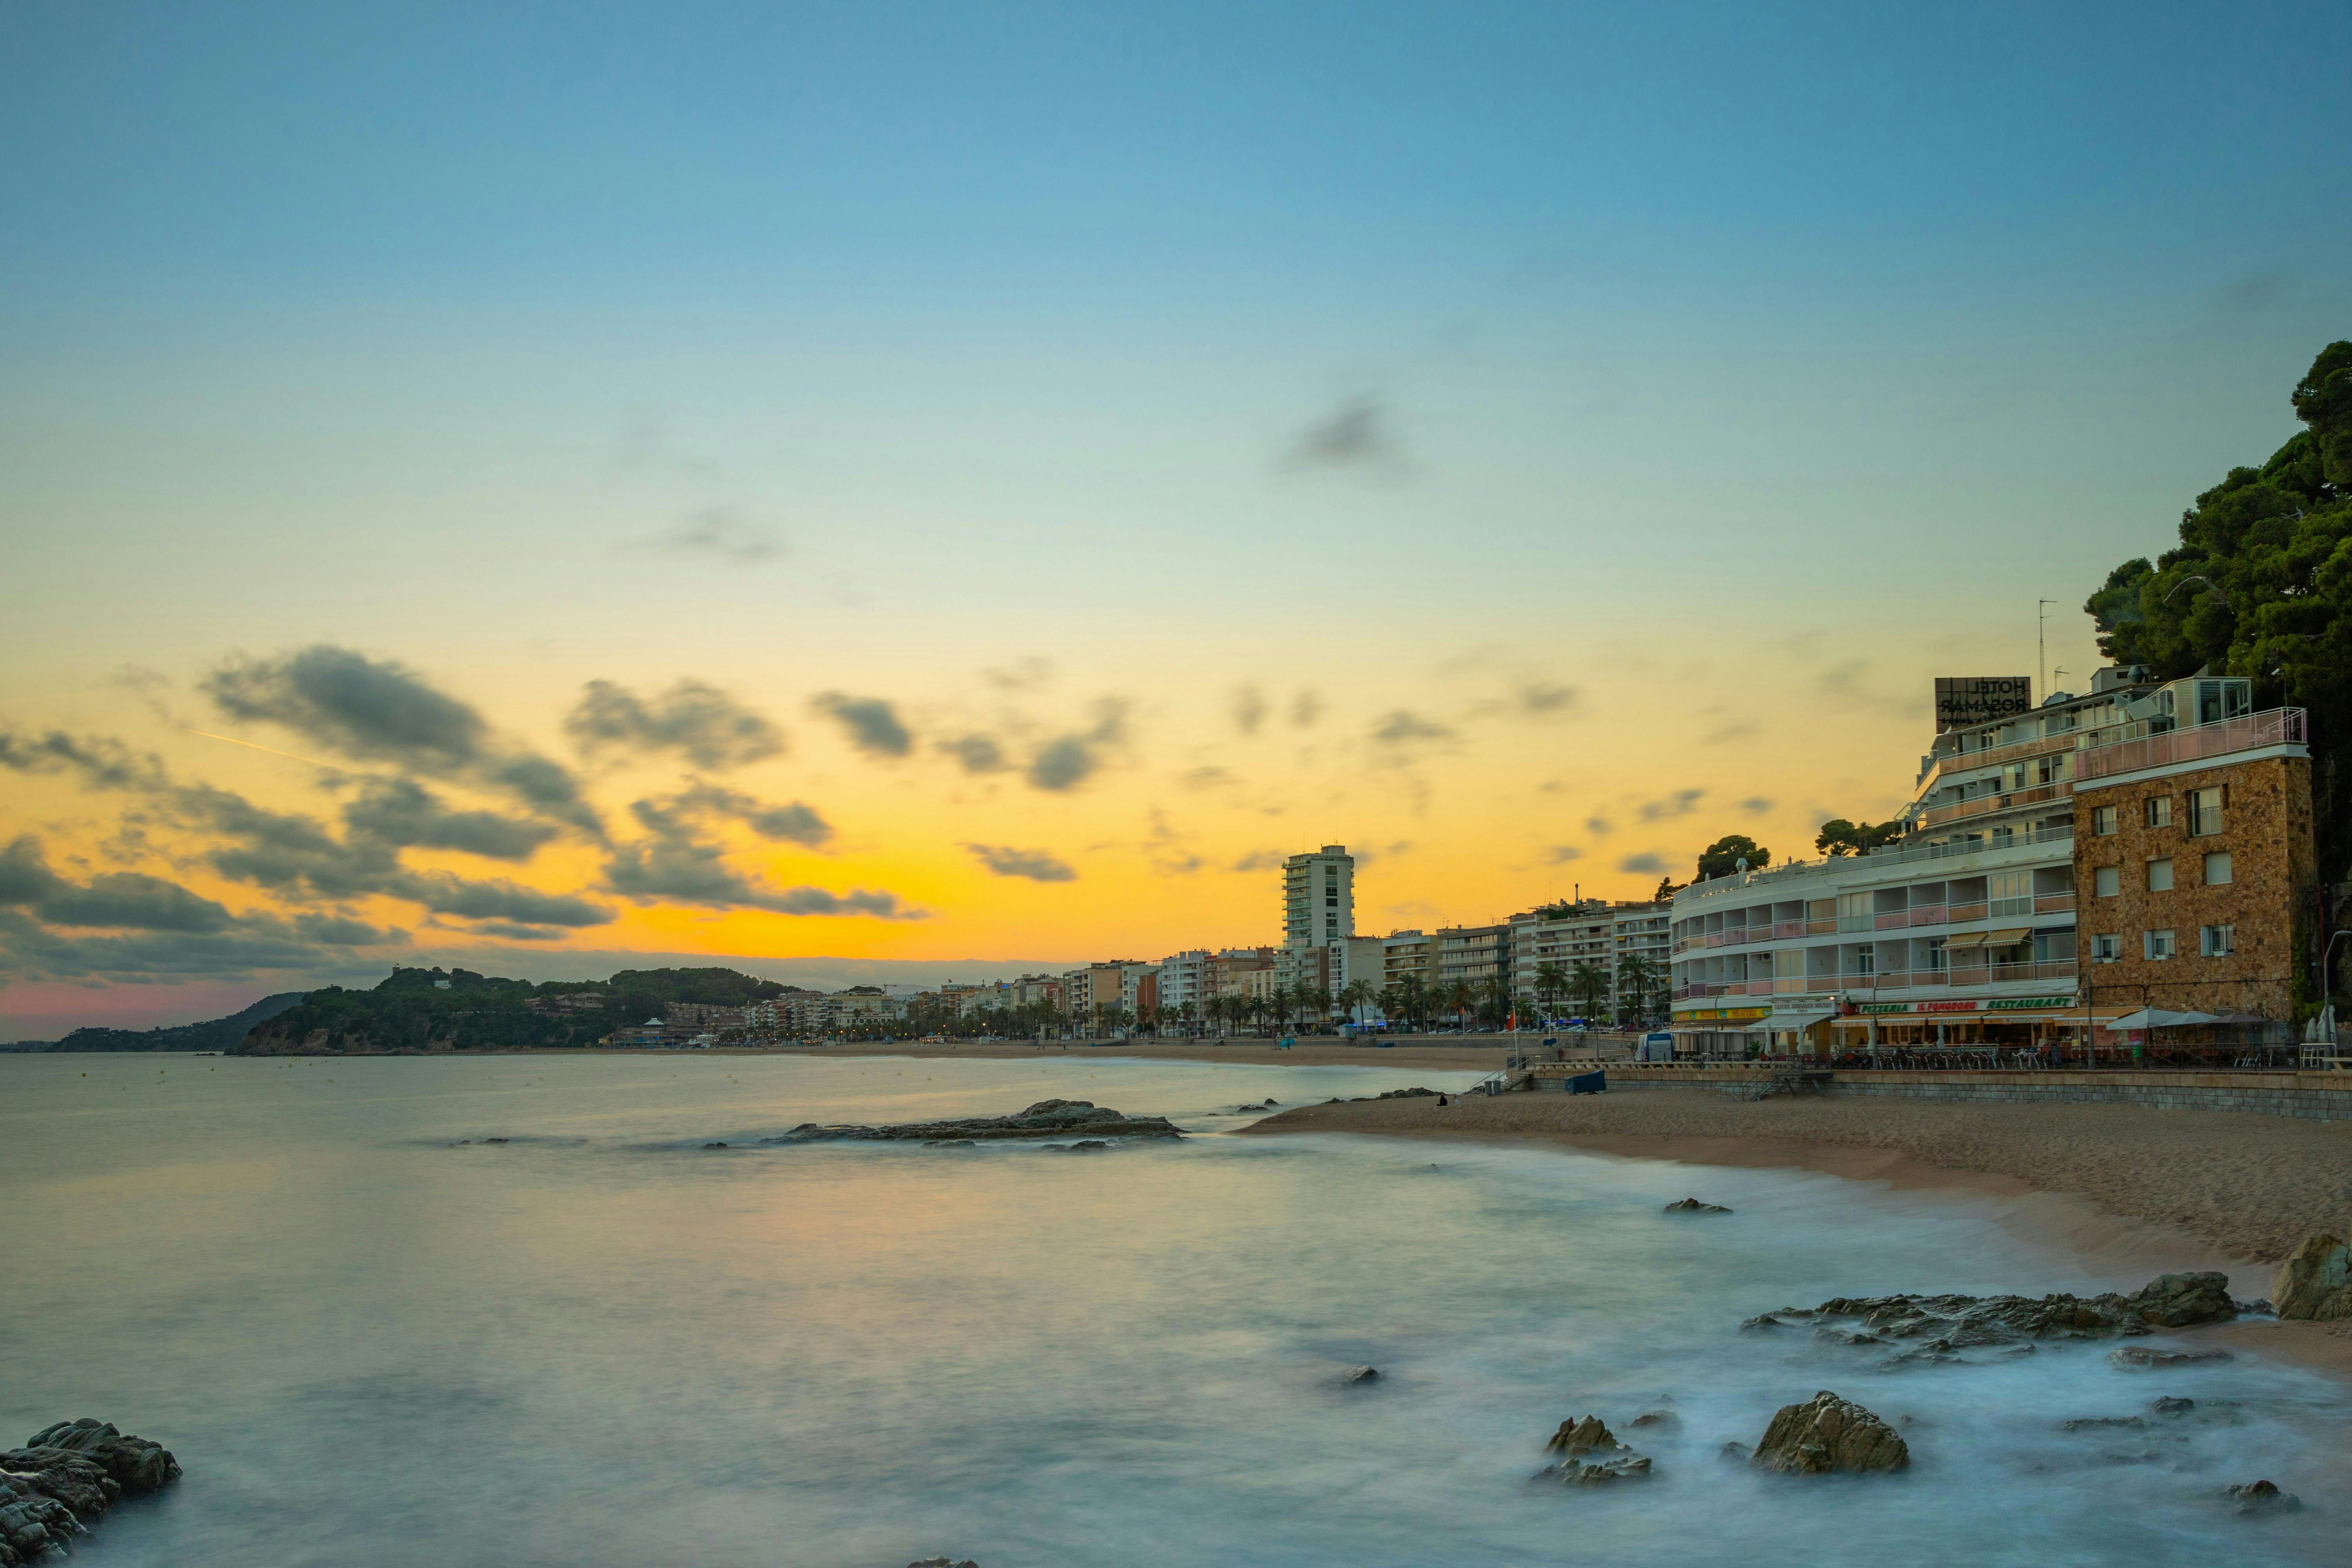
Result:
{"points": [[213, 1035]]}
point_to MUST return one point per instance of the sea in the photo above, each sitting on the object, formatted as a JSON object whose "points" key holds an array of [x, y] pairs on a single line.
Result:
{"points": [[372, 1335]]}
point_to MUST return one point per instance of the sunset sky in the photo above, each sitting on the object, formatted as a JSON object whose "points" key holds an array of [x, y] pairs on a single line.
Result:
{"points": [[540, 487]]}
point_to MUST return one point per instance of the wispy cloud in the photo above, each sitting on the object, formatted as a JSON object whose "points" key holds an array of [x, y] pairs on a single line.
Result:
{"points": [[871, 722], [1682, 803], [1355, 435], [1037, 865], [721, 533]]}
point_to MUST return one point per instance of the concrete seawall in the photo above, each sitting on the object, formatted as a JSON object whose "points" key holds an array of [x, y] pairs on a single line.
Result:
{"points": [[2318, 1096]]}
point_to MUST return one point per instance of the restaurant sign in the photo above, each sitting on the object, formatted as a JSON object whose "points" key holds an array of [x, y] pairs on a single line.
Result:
{"points": [[1965, 700], [2022, 1004]]}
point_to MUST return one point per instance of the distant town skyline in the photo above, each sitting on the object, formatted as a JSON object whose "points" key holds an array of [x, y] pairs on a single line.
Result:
{"points": [[877, 489]]}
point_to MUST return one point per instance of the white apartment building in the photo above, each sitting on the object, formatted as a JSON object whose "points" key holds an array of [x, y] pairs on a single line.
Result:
{"points": [[1319, 897], [1965, 929], [1593, 931], [1188, 977]]}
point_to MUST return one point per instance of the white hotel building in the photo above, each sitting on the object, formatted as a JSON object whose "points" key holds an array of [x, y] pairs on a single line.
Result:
{"points": [[1965, 930]]}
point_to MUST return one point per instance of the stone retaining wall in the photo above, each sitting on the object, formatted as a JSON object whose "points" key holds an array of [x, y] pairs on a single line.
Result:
{"points": [[2320, 1096]]}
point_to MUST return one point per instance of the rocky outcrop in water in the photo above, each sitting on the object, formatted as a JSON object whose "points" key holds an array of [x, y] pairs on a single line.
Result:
{"points": [[2262, 1497], [2316, 1280], [1047, 1119], [1360, 1375], [2157, 1356], [1591, 1455], [1691, 1205], [943, 1563], [1829, 1435], [56, 1486], [1927, 1329]]}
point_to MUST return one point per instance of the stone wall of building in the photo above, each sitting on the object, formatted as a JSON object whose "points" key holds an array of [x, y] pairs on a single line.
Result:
{"points": [[2267, 834]]}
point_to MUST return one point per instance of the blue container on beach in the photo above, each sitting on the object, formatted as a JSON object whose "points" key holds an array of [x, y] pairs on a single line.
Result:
{"points": [[1589, 1083]]}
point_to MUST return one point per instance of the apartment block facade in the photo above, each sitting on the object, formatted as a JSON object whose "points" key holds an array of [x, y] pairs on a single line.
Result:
{"points": [[2046, 883]]}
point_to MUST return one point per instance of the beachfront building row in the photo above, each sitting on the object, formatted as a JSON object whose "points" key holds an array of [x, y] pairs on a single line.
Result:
{"points": [[2146, 845]]}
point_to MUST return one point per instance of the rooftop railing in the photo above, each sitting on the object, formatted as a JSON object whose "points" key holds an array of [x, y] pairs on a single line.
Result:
{"points": [[2272, 727]]}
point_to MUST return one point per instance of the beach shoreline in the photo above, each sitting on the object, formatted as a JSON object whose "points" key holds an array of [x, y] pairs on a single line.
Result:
{"points": [[2128, 1192]]}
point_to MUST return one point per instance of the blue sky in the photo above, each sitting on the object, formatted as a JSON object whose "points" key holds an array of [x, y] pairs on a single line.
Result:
{"points": [[1742, 368]]}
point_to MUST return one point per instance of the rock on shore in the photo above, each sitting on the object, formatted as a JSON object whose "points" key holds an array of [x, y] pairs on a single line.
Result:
{"points": [[2315, 1281], [56, 1486], [1047, 1119], [1826, 1435], [1943, 1324]]}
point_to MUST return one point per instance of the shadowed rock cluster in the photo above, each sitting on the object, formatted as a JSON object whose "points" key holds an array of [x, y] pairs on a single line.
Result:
{"points": [[1047, 1119], [1829, 1435], [56, 1486], [1926, 1330]]}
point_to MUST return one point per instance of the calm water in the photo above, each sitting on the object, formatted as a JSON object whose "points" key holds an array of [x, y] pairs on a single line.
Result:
{"points": [[600, 1343]]}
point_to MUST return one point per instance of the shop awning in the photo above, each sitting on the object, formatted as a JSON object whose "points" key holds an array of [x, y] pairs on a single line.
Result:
{"points": [[2158, 1018], [1777, 1021], [1987, 939]]}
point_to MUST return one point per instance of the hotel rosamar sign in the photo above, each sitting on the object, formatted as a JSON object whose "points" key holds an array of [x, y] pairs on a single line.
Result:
{"points": [[1965, 700]]}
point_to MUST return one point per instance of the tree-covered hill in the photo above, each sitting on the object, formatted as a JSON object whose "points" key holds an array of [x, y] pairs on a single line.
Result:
{"points": [[457, 1009]]}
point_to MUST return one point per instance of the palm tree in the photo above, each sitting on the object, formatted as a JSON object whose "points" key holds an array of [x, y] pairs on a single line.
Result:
{"points": [[1185, 1013], [1636, 978], [1458, 996], [1496, 992], [1551, 981], [1317, 1000], [1589, 983], [1355, 996], [1414, 1000]]}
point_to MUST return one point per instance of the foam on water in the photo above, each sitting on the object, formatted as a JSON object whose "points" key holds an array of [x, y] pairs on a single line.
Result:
{"points": [[599, 1342]]}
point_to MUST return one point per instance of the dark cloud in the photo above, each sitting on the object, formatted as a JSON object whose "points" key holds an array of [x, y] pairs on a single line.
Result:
{"points": [[32, 952], [119, 900], [1248, 709], [1400, 728], [792, 823], [1561, 854], [724, 533], [704, 724], [1682, 803], [1599, 826], [1643, 864], [873, 725], [1355, 435], [513, 933], [361, 707], [1545, 696], [447, 895], [1037, 864], [403, 814], [1067, 761], [977, 753], [1756, 806], [1306, 707], [164, 929], [378, 710], [674, 864], [1021, 676], [1204, 778], [102, 762], [1260, 860]]}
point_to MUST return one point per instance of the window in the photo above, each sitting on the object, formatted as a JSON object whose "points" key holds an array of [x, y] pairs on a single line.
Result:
{"points": [[2010, 893], [2106, 949], [2159, 810], [2103, 821], [2107, 881], [2218, 941], [2156, 945], [2160, 876], [2204, 812], [2217, 868]]}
